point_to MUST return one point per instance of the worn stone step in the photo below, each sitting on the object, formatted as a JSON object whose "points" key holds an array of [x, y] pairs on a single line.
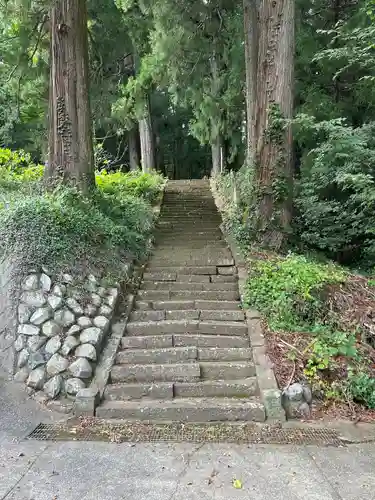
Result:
{"points": [[183, 315], [222, 327], [220, 341], [147, 315], [158, 356], [245, 388], [149, 373], [186, 270], [201, 295], [149, 342], [220, 278], [224, 353], [185, 410], [160, 327], [230, 370], [173, 305], [126, 392], [185, 285], [194, 260], [181, 295], [228, 305], [222, 315]]}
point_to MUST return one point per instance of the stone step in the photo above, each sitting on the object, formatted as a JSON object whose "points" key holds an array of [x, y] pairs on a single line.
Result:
{"points": [[159, 356], [185, 285], [185, 410], [189, 314], [149, 342], [245, 388], [219, 341], [193, 278], [169, 305], [227, 305], [147, 315], [222, 315], [224, 354], [186, 270], [126, 392], [179, 295], [230, 370], [183, 372], [138, 328], [194, 260]]}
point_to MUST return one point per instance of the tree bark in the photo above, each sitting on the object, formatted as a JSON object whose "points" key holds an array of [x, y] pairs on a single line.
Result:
{"points": [[134, 155], [274, 104], [147, 138], [218, 156], [250, 8], [71, 155]]}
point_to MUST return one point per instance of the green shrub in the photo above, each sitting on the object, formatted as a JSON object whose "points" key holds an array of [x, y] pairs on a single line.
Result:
{"points": [[336, 191], [361, 387], [138, 184], [290, 291], [64, 228]]}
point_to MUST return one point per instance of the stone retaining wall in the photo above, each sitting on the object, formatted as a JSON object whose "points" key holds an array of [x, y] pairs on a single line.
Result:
{"points": [[60, 331]]}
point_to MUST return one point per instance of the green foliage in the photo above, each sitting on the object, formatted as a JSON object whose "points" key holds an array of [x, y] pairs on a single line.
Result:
{"points": [[290, 291], [118, 184], [361, 387], [336, 195]]}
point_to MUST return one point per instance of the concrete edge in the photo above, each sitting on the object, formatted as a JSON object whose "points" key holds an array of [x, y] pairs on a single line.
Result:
{"points": [[88, 399], [268, 388]]}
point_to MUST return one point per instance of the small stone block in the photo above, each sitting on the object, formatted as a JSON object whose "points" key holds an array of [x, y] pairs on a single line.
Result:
{"points": [[85, 403]]}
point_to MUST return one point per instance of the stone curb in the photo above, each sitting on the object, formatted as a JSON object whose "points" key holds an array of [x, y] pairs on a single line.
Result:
{"points": [[88, 399], [268, 388]]}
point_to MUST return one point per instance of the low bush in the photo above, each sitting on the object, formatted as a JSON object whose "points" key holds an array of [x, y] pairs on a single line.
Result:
{"points": [[291, 291]]}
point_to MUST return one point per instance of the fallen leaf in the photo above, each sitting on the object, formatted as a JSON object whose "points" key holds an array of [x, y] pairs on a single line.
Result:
{"points": [[237, 484]]}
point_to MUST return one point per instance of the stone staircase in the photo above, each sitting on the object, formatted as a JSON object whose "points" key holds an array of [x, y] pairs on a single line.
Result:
{"points": [[185, 354]]}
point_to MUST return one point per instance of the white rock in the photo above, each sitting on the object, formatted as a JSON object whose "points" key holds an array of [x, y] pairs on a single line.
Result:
{"points": [[92, 279], [55, 301], [101, 322], [46, 282], [96, 299], [101, 291], [51, 328], [67, 278], [21, 375], [36, 342], [53, 345], [59, 290], [64, 317], [84, 322], [91, 336], [28, 330], [74, 330], [73, 385], [24, 313], [111, 301], [105, 311], [36, 359], [74, 306], [90, 310], [69, 344], [53, 387], [57, 364], [86, 351], [113, 292], [36, 378], [33, 298], [81, 368], [20, 343], [294, 392], [31, 282], [41, 315], [23, 358]]}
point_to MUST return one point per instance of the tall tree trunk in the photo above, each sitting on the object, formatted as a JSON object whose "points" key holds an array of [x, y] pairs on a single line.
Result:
{"points": [[133, 142], [217, 156], [147, 138], [274, 104], [250, 8], [71, 155]]}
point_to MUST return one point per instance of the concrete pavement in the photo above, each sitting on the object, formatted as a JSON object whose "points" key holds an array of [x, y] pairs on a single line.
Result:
{"points": [[31, 470]]}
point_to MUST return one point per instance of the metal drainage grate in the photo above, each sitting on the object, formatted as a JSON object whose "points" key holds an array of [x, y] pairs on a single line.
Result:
{"points": [[93, 430]]}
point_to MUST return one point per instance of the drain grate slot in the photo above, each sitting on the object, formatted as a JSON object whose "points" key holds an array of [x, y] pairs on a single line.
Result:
{"points": [[94, 430]]}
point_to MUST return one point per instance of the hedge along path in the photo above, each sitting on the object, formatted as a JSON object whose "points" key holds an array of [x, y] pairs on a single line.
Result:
{"points": [[186, 353]]}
